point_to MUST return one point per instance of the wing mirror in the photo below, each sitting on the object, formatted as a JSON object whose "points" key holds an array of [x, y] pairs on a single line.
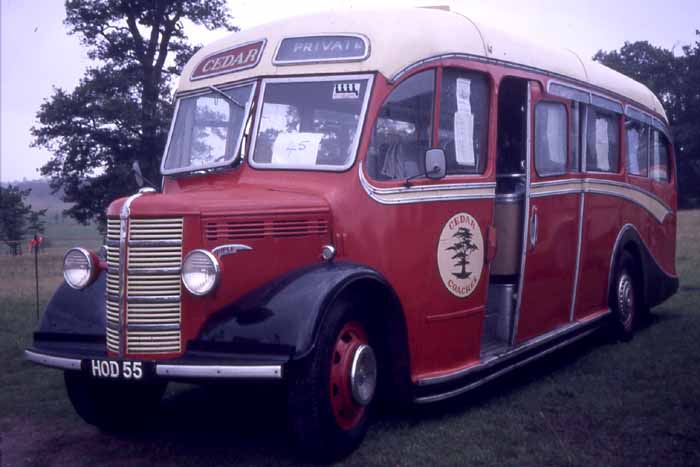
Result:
{"points": [[138, 175], [435, 164]]}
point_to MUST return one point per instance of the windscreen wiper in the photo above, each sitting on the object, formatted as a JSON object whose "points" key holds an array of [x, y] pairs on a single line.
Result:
{"points": [[226, 96]]}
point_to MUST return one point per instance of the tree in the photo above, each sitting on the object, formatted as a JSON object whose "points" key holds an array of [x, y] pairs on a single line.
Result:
{"points": [[676, 81], [462, 248], [120, 111], [17, 219]]}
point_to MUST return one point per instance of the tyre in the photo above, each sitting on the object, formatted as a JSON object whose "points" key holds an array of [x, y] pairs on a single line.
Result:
{"points": [[626, 297], [113, 405], [331, 391]]}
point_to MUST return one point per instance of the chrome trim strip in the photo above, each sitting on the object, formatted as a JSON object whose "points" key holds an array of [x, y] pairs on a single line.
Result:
{"points": [[491, 361], [111, 243], [52, 361], [113, 326], [231, 249], [526, 216], [462, 390], [657, 207], [220, 371], [356, 58], [153, 327], [138, 243], [574, 291], [360, 123], [123, 241], [154, 299], [149, 271], [427, 193]]}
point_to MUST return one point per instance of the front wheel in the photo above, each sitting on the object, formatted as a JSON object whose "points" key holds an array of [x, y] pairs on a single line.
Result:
{"points": [[113, 405], [331, 392]]}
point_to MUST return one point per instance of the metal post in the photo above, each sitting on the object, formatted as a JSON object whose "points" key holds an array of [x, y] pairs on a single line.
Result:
{"points": [[36, 272]]}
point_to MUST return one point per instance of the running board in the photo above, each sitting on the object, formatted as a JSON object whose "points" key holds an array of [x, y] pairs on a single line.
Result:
{"points": [[438, 388]]}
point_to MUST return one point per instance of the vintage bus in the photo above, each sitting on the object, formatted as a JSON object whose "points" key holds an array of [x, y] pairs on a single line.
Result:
{"points": [[364, 212]]}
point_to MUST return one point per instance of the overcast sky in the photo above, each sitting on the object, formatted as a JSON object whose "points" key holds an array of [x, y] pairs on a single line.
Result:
{"points": [[37, 54]]}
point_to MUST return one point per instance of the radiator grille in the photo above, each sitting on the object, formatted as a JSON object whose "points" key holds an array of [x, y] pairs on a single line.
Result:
{"points": [[152, 310], [112, 304], [236, 230]]}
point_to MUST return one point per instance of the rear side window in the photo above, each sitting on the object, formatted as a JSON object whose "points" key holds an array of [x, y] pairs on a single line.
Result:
{"points": [[464, 116], [637, 148], [402, 133], [659, 165], [550, 138], [603, 141]]}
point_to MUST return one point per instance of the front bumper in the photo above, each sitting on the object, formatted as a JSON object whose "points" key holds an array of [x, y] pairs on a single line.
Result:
{"points": [[185, 368]]}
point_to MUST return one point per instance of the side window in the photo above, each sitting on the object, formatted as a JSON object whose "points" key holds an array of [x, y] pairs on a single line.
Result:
{"points": [[659, 169], [602, 141], [551, 126], [403, 130], [464, 117], [637, 148]]}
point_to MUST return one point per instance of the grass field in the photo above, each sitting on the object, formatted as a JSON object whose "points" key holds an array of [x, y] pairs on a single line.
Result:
{"points": [[597, 403]]}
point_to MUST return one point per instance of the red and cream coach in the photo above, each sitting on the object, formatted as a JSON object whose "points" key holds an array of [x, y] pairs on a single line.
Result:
{"points": [[365, 211]]}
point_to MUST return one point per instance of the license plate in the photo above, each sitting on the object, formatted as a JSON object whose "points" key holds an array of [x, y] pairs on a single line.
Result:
{"points": [[117, 369]]}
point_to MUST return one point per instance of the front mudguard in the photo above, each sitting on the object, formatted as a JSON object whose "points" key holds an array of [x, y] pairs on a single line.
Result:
{"points": [[75, 315], [282, 317]]}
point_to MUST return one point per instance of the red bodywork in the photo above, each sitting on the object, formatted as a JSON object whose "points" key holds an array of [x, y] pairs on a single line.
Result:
{"points": [[444, 331]]}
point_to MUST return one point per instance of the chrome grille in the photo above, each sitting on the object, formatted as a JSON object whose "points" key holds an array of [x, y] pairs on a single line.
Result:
{"points": [[153, 261], [112, 304]]}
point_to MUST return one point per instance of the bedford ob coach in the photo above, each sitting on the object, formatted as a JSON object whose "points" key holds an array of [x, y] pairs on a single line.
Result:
{"points": [[361, 211]]}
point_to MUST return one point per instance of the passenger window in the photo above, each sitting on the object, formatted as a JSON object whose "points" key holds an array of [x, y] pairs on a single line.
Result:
{"points": [[659, 169], [403, 130], [550, 138], [637, 148], [464, 116], [602, 141]]}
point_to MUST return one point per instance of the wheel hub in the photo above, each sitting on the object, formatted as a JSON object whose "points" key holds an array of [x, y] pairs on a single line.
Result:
{"points": [[363, 375], [353, 375], [625, 298]]}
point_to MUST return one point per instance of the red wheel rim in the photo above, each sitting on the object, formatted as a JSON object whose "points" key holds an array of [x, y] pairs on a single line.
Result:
{"points": [[347, 412]]}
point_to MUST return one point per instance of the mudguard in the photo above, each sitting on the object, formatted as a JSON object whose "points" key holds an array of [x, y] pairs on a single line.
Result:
{"points": [[283, 316], [658, 285], [75, 315]]}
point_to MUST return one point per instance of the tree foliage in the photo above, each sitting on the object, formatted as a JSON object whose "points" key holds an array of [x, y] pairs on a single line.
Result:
{"points": [[675, 79], [120, 111], [17, 219]]}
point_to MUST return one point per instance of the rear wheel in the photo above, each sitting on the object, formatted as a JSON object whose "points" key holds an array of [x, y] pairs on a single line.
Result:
{"points": [[113, 405], [626, 297], [331, 392]]}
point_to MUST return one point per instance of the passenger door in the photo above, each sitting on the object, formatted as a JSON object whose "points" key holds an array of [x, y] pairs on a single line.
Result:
{"points": [[553, 221]]}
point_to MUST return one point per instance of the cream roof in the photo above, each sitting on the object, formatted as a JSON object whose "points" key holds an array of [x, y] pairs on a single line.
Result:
{"points": [[401, 37]]}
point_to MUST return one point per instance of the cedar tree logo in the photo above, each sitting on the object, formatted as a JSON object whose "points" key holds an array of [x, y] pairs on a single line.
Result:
{"points": [[460, 254]]}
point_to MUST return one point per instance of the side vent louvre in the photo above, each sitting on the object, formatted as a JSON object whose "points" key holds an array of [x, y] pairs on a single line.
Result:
{"points": [[226, 230]]}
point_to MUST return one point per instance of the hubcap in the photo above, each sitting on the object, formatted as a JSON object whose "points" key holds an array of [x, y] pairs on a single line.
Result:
{"points": [[353, 375], [625, 299], [363, 375]]}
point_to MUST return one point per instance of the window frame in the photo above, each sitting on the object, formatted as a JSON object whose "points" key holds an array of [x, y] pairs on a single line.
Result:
{"points": [[567, 138], [236, 151], [619, 142], [649, 129], [362, 120]]}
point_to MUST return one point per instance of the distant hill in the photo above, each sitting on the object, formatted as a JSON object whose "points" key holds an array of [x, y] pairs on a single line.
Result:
{"points": [[42, 198]]}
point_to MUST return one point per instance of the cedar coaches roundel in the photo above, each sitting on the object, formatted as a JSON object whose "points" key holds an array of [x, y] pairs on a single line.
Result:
{"points": [[460, 254]]}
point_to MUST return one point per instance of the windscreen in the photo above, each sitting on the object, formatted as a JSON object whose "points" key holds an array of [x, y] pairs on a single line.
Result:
{"points": [[208, 129], [310, 124]]}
